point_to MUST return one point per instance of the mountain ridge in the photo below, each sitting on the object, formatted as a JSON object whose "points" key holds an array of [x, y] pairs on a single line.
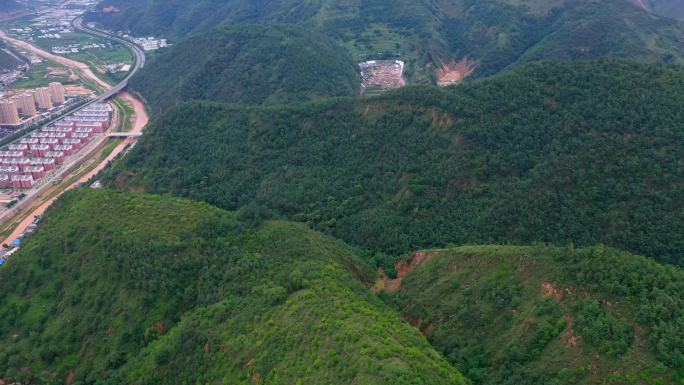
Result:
{"points": [[497, 35], [131, 288]]}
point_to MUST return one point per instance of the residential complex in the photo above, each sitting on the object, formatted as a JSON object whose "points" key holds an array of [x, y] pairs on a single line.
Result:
{"points": [[57, 92], [30, 159], [29, 102], [9, 114], [26, 104], [43, 98]]}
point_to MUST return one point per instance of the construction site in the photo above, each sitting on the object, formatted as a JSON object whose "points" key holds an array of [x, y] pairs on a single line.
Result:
{"points": [[382, 74]]}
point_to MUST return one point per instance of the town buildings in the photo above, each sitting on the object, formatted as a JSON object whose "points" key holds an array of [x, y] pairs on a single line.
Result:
{"points": [[28, 160], [22, 108]]}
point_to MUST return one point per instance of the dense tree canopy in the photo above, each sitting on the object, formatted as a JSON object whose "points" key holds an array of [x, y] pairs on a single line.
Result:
{"points": [[249, 64], [129, 288], [583, 153]]}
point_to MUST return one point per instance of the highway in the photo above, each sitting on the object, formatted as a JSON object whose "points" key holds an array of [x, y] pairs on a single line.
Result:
{"points": [[77, 23], [109, 91]]}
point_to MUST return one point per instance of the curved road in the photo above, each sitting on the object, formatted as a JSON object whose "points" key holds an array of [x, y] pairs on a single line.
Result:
{"points": [[77, 23], [82, 68]]}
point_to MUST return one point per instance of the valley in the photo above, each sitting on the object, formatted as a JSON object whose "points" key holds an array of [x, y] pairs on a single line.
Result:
{"points": [[332, 192]]}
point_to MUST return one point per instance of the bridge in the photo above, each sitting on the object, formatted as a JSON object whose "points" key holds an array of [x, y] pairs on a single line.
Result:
{"points": [[124, 134]]}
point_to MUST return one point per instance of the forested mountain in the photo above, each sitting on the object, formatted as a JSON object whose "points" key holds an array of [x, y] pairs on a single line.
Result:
{"points": [[585, 153], [122, 287], [540, 315], [119, 288], [249, 64], [494, 34]]}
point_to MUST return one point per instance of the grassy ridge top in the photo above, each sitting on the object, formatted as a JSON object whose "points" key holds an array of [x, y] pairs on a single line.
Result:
{"points": [[249, 64], [127, 288], [561, 153], [542, 315]]}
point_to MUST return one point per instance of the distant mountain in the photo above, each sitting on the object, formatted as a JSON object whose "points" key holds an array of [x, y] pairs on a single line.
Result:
{"points": [[499, 37], [540, 315], [494, 34], [120, 288], [249, 64], [580, 153], [669, 8]]}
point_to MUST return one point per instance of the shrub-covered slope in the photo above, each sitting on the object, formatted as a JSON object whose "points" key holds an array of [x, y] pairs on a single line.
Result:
{"points": [[127, 288], [584, 153], [249, 64], [540, 315]]}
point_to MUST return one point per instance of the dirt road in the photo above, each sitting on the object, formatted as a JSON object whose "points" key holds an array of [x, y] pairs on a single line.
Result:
{"points": [[81, 68], [140, 119]]}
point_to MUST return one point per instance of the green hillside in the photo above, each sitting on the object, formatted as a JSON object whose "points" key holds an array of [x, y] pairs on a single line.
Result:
{"points": [[249, 64], [540, 315], [128, 288], [611, 28], [584, 153], [494, 34]]}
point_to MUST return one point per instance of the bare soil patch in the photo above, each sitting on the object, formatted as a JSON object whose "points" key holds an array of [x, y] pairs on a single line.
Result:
{"points": [[454, 71]]}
